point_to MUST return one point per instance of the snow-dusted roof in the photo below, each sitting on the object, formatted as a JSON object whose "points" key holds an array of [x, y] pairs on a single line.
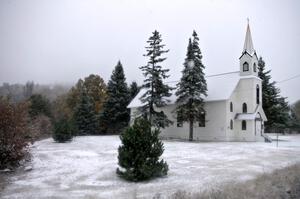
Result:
{"points": [[245, 116], [251, 116], [220, 87]]}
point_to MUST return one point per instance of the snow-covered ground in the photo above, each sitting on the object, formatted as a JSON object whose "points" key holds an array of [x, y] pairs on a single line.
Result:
{"points": [[85, 168]]}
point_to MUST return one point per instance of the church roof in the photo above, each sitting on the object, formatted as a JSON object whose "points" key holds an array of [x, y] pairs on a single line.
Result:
{"points": [[219, 87], [252, 116]]}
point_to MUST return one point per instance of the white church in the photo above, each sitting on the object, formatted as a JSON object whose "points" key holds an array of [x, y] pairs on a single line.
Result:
{"points": [[233, 105]]}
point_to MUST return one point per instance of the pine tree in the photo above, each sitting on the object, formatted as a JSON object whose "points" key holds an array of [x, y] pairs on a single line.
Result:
{"points": [[84, 116], [62, 131], [139, 154], [192, 87], [39, 105], [134, 89], [115, 115], [295, 116], [296, 109], [275, 106], [156, 90]]}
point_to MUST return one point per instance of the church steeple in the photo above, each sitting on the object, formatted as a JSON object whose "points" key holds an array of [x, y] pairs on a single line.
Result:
{"points": [[248, 60], [248, 44]]}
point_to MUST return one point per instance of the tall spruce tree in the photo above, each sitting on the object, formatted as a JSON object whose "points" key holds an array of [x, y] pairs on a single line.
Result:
{"points": [[156, 90], [85, 116], [115, 115], [275, 106], [192, 87], [134, 89]]}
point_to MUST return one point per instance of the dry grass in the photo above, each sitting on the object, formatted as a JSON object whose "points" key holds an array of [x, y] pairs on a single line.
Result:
{"points": [[282, 183]]}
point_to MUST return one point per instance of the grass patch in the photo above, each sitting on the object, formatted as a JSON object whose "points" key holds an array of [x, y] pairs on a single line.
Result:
{"points": [[282, 183]]}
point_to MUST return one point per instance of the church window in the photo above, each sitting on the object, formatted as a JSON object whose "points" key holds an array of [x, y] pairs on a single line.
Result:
{"points": [[179, 121], [245, 66], [202, 120], [244, 108], [231, 124], [231, 107], [244, 125], [254, 67], [257, 94]]}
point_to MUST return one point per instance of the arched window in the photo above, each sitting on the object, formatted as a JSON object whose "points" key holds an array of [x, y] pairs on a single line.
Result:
{"points": [[179, 120], [231, 124], [231, 107], [254, 67], [244, 108], [257, 94], [244, 125], [246, 66], [202, 120]]}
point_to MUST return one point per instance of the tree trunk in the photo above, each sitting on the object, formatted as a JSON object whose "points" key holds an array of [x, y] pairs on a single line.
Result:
{"points": [[191, 130]]}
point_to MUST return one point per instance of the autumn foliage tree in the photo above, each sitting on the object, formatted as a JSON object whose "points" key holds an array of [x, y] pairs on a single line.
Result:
{"points": [[96, 89], [14, 132]]}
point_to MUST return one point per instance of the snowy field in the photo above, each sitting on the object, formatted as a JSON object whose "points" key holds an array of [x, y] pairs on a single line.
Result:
{"points": [[85, 168]]}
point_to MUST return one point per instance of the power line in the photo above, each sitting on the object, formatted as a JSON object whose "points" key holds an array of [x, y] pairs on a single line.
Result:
{"points": [[288, 79]]}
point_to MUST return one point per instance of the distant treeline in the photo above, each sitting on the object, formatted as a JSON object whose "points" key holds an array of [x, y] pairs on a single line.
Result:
{"points": [[20, 92]]}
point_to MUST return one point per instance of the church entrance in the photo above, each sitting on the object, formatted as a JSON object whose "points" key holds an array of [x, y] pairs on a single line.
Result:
{"points": [[258, 124]]}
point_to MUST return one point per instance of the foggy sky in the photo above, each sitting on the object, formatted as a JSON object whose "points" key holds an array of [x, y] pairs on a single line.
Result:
{"points": [[60, 41]]}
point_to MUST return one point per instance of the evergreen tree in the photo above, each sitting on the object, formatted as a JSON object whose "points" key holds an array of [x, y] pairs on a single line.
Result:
{"points": [[192, 87], [275, 106], [134, 89], [115, 115], [156, 90], [62, 131], [39, 105], [296, 109], [85, 116], [140, 152], [295, 116]]}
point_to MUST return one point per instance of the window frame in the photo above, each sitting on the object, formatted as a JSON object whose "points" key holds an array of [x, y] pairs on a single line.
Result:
{"points": [[179, 123], [244, 107], [231, 107], [245, 66], [244, 125], [231, 124], [257, 94], [201, 122]]}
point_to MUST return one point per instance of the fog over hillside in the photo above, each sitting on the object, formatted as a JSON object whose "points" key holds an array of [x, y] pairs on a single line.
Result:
{"points": [[61, 40]]}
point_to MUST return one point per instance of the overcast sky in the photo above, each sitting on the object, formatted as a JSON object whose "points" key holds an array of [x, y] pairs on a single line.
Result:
{"points": [[60, 41]]}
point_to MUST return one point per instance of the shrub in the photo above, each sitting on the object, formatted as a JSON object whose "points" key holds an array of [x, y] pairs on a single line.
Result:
{"points": [[139, 153], [62, 130], [14, 132], [41, 127]]}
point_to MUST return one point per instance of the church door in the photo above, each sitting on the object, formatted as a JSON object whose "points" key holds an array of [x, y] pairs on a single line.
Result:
{"points": [[258, 124]]}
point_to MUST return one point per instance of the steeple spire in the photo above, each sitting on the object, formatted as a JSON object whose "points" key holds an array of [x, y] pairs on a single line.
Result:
{"points": [[248, 45]]}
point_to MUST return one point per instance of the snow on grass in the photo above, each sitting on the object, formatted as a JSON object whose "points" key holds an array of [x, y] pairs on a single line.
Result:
{"points": [[85, 168]]}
